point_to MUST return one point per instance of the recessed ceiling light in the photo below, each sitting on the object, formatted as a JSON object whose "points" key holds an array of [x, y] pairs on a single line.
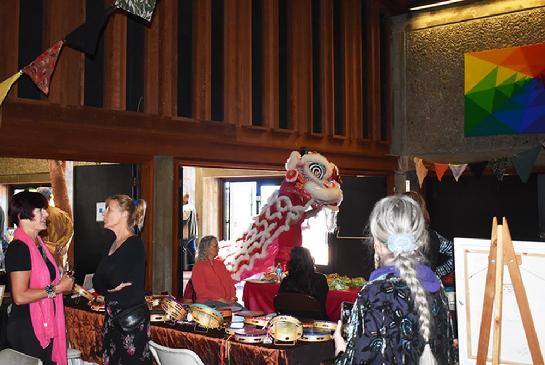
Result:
{"points": [[439, 3]]}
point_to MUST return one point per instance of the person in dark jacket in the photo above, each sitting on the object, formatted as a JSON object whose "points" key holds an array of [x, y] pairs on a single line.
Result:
{"points": [[303, 279], [401, 314], [440, 250]]}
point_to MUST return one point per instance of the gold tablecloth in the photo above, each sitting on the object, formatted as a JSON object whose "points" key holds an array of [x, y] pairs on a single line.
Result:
{"points": [[85, 334]]}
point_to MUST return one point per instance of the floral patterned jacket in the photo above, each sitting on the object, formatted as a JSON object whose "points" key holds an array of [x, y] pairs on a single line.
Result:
{"points": [[383, 327]]}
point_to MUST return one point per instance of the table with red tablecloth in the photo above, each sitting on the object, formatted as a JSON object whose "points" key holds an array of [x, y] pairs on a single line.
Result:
{"points": [[259, 296]]}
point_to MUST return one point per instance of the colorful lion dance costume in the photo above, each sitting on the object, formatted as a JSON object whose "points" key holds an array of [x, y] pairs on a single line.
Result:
{"points": [[311, 183]]}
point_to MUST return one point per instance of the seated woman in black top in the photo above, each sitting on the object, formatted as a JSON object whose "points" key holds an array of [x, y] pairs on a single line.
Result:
{"points": [[303, 279]]}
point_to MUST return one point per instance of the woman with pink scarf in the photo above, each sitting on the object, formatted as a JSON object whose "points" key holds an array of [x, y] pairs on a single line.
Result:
{"points": [[36, 324]]}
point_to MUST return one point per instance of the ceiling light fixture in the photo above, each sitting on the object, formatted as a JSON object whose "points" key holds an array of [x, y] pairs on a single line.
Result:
{"points": [[439, 3]]}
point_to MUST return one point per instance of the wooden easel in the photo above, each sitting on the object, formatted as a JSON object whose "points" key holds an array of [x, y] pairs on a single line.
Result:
{"points": [[502, 253]]}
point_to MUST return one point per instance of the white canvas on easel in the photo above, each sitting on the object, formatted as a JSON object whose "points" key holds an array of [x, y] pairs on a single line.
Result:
{"points": [[471, 260]]}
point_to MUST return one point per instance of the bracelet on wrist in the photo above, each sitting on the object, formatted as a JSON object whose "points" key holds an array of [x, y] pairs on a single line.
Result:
{"points": [[50, 290]]}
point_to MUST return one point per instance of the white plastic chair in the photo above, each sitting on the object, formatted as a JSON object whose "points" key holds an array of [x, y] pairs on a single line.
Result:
{"points": [[12, 357], [73, 356], [168, 356]]}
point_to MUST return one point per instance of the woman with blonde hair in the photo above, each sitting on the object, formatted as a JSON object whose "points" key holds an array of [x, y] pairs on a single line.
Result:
{"points": [[211, 280], [400, 316], [120, 278]]}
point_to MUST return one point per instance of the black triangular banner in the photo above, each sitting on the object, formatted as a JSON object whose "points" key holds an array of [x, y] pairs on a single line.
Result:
{"points": [[85, 37]]}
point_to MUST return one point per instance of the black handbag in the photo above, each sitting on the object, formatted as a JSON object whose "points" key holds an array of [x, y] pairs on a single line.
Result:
{"points": [[131, 318]]}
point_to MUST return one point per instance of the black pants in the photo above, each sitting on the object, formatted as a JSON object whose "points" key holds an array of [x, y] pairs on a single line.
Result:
{"points": [[21, 338]]}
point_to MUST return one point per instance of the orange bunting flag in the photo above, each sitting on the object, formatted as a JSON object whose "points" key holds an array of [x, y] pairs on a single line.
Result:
{"points": [[5, 85], [41, 69], [457, 170], [440, 169], [421, 170]]}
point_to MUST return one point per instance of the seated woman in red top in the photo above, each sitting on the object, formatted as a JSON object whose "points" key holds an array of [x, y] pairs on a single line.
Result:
{"points": [[211, 280]]}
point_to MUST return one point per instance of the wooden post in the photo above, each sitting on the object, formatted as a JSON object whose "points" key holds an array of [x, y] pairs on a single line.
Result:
{"points": [[502, 251], [489, 289], [498, 299]]}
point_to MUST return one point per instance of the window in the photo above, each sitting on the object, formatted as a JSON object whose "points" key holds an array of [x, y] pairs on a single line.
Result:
{"points": [[243, 200]]}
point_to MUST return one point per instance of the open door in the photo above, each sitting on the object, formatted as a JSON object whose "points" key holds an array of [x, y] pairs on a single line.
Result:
{"points": [[92, 185]]}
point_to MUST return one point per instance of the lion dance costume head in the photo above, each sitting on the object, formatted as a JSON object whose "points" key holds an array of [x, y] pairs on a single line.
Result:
{"points": [[311, 183]]}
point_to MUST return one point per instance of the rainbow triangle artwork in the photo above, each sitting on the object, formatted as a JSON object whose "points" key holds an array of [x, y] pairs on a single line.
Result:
{"points": [[504, 91]]}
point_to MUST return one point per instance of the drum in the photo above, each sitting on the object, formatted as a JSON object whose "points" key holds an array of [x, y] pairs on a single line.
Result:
{"points": [[228, 311], [247, 313], [312, 334], [322, 325], [174, 311], [83, 292], [97, 306], [250, 335], [158, 316], [225, 312], [285, 330], [233, 327], [260, 321], [154, 300], [206, 316]]}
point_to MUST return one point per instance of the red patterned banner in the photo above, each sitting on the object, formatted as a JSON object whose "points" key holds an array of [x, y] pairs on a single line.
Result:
{"points": [[41, 69]]}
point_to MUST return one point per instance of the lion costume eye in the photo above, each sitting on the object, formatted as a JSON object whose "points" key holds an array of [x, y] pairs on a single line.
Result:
{"points": [[317, 169]]}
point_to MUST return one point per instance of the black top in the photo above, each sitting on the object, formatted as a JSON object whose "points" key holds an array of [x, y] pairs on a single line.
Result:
{"points": [[440, 254], [317, 288], [128, 265], [18, 259]]}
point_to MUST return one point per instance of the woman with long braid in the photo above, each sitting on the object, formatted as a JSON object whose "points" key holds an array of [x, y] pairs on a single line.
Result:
{"points": [[400, 316]]}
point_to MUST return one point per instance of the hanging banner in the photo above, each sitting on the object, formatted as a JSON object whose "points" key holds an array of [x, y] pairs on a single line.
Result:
{"points": [[523, 162], [499, 166], [85, 37], [421, 170], [42, 68], [457, 170], [440, 169], [141, 8], [477, 168], [6, 85]]}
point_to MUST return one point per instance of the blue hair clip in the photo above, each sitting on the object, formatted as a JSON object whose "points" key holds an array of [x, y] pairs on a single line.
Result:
{"points": [[135, 202], [401, 242]]}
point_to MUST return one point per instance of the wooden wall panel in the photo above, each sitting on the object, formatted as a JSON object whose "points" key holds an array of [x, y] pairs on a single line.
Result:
{"points": [[115, 55], [202, 68], [300, 65], [372, 52], [351, 14], [168, 58], [190, 139], [152, 69], [9, 41], [238, 62], [59, 19], [326, 77], [270, 64]]}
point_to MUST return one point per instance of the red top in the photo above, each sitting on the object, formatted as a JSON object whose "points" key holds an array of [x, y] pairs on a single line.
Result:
{"points": [[212, 281]]}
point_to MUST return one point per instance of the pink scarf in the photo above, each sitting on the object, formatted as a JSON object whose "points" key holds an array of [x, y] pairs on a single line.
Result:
{"points": [[47, 320]]}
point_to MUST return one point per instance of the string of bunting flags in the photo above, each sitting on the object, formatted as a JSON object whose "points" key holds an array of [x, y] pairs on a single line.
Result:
{"points": [[523, 163], [84, 38]]}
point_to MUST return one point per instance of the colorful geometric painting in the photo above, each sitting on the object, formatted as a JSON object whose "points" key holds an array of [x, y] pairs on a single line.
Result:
{"points": [[505, 91]]}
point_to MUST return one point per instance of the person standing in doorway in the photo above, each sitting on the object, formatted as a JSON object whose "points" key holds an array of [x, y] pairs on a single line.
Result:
{"points": [[189, 233]]}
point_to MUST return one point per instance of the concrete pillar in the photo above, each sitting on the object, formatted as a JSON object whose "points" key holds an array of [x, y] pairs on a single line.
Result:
{"points": [[163, 202]]}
